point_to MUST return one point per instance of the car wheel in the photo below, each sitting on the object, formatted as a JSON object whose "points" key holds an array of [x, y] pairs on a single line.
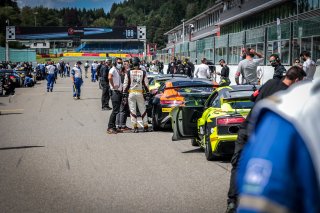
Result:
{"points": [[194, 142], [208, 149], [155, 121]]}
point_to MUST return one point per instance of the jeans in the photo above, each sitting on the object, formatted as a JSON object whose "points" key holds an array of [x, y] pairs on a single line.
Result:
{"points": [[50, 79], [105, 95], [121, 120], [93, 75], [77, 87], [116, 98]]}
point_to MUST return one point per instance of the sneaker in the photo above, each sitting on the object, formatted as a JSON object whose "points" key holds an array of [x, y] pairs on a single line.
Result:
{"points": [[125, 128], [119, 130], [231, 208], [135, 130], [146, 129], [112, 131], [78, 98], [108, 108], [75, 98]]}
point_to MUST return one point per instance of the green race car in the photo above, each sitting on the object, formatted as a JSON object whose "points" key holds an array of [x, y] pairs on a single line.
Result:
{"points": [[215, 125]]}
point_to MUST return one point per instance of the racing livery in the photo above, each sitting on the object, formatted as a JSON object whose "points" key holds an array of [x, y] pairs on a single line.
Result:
{"points": [[214, 125]]}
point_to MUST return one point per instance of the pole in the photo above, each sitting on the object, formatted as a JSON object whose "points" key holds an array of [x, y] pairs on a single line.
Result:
{"points": [[182, 31], [145, 49], [7, 42]]}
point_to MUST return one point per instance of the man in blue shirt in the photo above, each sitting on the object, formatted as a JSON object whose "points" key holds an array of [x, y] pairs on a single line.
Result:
{"points": [[280, 166]]}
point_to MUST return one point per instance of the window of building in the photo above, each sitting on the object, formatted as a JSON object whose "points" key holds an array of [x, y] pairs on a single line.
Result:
{"points": [[316, 48]]}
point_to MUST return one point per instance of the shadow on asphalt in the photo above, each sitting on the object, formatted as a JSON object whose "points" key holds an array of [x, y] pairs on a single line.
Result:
{"points": [[20, 147], [10, 113], [198, 150]]}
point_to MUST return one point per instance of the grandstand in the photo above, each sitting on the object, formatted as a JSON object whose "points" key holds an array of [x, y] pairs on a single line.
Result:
{"points": [[111, 47]]}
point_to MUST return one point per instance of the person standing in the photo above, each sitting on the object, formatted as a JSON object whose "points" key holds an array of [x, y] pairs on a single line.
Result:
{"points": [[76, 76], [51, 70], [189, 67], [116, 95], [203, 71], [104, 82], [121, 120], [135, 83], [86, 67], [94, 67], [272, 86], [172, 66], [248, 67], [279, 70], [280, 167], [309, 66], [224, 75]]}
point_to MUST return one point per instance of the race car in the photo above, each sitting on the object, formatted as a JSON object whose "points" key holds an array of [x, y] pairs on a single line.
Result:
{"points": [[178, 92], [214, 125], [155, 81]]}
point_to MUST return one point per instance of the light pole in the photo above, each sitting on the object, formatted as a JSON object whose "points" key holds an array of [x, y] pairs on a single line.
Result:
{"points": [[7, 43], [182, 30], [35, 18]]}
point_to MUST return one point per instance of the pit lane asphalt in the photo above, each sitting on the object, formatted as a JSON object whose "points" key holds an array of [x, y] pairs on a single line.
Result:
{"points": [[55, 156]]}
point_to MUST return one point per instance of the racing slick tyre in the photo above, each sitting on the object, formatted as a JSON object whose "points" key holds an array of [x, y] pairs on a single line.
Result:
{"points": [[194, 142], [208, 149], [155, 121]]}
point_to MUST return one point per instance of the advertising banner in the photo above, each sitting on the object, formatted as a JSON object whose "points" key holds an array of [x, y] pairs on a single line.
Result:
{"points": [[71, 33]]}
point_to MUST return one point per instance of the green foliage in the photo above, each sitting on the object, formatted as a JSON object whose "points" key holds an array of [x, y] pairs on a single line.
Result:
{"points": [[158, 15]]}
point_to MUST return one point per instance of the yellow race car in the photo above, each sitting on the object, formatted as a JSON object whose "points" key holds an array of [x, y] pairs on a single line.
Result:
{"points": [[214, 125]]}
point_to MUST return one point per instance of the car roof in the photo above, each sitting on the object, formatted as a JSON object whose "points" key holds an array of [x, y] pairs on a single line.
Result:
{"points": [[176, 82]]}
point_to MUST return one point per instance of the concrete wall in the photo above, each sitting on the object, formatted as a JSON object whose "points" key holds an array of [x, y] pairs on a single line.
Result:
{"points": [[267, 72]]}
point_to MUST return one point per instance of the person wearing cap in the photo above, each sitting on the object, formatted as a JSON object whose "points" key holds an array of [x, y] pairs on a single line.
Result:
{"points": [[104, 83], [135, 84], [76, 76]]}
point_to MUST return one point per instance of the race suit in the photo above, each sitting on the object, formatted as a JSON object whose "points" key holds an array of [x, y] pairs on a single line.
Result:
{"points": [[135, 83], [280, 166]]}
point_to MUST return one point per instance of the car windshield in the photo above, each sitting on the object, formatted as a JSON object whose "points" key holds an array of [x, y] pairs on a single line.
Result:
{"points": [[241, 104], [207, 89]]}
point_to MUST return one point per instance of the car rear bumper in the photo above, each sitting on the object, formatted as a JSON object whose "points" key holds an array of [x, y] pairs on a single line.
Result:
{"points": [[223, 145]]}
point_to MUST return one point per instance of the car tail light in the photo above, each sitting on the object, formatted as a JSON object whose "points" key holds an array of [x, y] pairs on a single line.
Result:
{"points": [[12, 77], [171, 102], [226, 121]]}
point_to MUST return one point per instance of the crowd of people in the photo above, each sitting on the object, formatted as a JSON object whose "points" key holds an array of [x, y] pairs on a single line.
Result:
{"points": [[274, 146]]}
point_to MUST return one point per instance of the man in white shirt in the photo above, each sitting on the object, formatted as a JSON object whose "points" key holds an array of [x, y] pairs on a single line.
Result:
{"points": [[94, 66], [50, 69], [76, 76], [309, 66], [116, 95], [202, 70]]}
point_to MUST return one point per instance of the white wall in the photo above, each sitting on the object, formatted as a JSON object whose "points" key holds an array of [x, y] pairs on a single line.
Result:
{"points": [[266, 70]]}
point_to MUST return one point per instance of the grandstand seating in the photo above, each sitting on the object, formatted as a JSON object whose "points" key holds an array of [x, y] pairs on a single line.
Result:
{"points": [[115, 47]]}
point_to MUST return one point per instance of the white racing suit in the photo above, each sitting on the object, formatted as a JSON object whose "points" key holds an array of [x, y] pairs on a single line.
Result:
{"points": [[135, 83]]}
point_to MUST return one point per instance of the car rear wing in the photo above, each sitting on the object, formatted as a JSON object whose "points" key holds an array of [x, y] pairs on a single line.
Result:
{"points": [[186, 86]]}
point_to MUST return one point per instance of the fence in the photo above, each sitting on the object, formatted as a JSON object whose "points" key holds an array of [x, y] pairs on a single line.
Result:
{"points": [[18, 55]]}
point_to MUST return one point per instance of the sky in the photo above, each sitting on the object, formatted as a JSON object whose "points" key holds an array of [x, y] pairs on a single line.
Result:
{"points": [[88, 4]]}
